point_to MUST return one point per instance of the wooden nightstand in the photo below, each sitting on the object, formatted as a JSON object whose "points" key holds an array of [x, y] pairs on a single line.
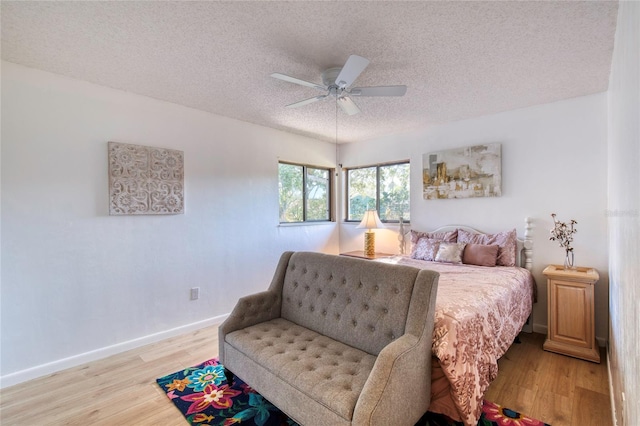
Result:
{"points": [[570, 305], [361, 255]]}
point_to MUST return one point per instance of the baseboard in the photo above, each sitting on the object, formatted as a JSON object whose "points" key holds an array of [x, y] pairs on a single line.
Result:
{"points": [[73, 361], [542, 329], [614, 420]]}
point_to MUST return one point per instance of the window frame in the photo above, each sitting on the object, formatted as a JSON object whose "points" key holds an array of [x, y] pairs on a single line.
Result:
{"points": [[330, 192], [377, 166]]}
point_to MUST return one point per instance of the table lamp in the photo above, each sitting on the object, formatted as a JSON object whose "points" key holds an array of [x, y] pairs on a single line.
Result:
{"points": [[370, 221]]}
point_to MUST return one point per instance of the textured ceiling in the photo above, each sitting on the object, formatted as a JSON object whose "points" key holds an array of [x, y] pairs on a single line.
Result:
{"points": [[458, 59]]}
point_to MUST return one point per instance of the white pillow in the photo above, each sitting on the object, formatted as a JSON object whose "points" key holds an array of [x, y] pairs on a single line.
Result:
{"points": [[450, 252]]}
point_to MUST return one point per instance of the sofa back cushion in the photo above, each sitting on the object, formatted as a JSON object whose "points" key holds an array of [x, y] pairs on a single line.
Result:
{"points": [[361, 303]]}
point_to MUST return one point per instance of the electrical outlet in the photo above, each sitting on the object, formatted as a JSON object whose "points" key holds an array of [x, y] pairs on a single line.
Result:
{"points": [[195, 293]]}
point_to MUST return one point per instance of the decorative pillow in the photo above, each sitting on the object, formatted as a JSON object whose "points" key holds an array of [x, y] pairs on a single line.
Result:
{"points": [[450, 252], [450, 237], [507, 242], [481, 255], [425, 249]]}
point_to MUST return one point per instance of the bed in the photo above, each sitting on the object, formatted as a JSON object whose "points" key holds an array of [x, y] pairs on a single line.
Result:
{"points": [[479, 312]]}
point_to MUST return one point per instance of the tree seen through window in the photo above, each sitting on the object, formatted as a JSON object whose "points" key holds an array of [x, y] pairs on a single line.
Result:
{"points": [[384, 188]]}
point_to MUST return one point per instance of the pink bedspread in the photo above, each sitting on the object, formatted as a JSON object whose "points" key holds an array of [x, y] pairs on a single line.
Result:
{"points": [[479, 313]]}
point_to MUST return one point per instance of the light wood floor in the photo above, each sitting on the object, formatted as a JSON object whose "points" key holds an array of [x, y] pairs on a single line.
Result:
{"points": [[121, 389], [116, 391], [556, 389]]}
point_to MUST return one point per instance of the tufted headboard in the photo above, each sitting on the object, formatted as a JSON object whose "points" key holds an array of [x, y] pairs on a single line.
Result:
{"points": [[360, 303]]}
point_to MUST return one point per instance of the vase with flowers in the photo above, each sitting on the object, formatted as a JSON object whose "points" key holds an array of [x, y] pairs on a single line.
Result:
{"points": [[563, 234]]}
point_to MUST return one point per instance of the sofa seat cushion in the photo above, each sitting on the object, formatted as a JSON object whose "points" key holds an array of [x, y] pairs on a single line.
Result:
{"points": [[324, 369]]}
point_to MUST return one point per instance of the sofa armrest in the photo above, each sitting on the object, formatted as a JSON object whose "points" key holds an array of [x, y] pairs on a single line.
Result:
{"points": [[399, 383], [256, 308], [250, 310], [398, 389]]}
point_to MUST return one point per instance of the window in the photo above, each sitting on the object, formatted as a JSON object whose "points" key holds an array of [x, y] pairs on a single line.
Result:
{"points": [[305, 193], [383, 187]]}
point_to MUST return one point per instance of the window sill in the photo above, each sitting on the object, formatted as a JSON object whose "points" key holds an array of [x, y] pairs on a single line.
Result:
{"points": [[386, 225], [296, 224]]}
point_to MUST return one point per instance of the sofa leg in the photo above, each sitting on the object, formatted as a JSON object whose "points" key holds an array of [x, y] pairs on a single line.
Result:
{"points": [[229, 375]]}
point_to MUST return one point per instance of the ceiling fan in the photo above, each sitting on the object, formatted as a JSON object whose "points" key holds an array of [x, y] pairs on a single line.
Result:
{"points": [[337, 82]]}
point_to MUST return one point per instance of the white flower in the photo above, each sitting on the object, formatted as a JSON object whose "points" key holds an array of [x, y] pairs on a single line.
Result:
{"points": [[563, 233]]}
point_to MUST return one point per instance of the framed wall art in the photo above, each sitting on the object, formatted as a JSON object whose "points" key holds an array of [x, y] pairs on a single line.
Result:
{"points": [[473, 171], [145, 180]]}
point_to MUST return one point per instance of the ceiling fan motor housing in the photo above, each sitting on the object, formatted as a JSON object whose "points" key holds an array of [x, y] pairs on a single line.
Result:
{"points": [[329, 78]]}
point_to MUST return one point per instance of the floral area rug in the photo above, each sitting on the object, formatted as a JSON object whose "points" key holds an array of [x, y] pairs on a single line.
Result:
{"points": [[204, 398]]}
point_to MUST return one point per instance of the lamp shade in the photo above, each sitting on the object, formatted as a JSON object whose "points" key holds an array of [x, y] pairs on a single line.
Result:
{"points": [[370, 220]]}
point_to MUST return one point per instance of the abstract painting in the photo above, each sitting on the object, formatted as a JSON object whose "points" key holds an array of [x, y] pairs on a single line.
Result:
{"points": [[144, 180], [473, 171]]}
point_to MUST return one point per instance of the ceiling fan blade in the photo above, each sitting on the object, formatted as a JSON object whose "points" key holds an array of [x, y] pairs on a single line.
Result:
{"points": [[348, 106], [307, 101], [298, 81], [351, 70], [379, 91]]}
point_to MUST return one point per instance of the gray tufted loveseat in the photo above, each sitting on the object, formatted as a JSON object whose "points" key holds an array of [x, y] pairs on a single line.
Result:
{"points": [[337, 340]]}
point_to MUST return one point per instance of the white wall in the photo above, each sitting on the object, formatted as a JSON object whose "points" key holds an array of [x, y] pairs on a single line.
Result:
{"points": [[78, 284], [76, 280], [624, 215], [554, 160]]}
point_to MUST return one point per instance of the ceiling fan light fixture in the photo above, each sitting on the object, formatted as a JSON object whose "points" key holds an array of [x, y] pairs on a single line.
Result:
{"points": [[348, 106]]}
